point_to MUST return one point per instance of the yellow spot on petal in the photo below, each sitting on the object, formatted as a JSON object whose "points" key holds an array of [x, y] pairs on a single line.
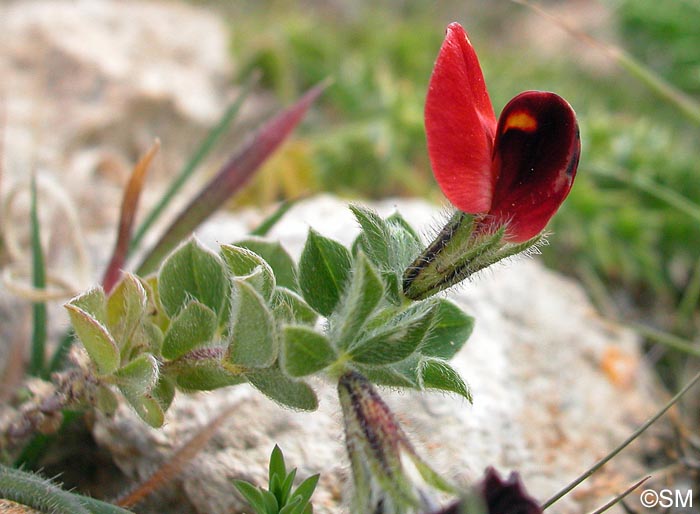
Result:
{"points": [[521, 121]]}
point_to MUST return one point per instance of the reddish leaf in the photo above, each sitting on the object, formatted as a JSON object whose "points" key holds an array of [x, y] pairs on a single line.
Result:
{"points": [[130, 203], [232, 176], [535, 159], [460, 125]]}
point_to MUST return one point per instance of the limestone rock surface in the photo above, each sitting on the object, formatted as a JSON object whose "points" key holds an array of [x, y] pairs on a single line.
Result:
{"points": [[555, 386]]}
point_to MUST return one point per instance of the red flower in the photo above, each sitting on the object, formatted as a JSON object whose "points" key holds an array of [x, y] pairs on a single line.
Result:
{"points": [[516, 170]]}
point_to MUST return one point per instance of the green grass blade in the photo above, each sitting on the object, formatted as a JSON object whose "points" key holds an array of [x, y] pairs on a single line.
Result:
{"points": [[658, 191], [204, 148], [691, 298], [269, 222], [36, 363], [668, 340], [59, 355]]}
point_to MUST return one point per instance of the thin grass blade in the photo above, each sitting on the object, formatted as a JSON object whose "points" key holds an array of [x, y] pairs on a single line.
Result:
{"points": [[269, 222], [566, 490], [621, 496], [37, 359]]}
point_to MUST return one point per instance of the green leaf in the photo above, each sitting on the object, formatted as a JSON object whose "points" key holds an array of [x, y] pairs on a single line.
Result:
{"points": [[277, 257], [391, 244], [291, 506], [193, 272], [286, 487], [139, 376], [375, 237], [278, 387], [360, 298], [270, 502], [206, 375], [396, 340], [164, 391], [387, 376], [252, 495], [306, 488], [251, 267], [92, 302], [274, 488], [193, 327], [148, 409], [95, 337], [399, 222], [438, 374], [125, 309], [305, 351], [156, 313], [276, 467], [324, 268], [254, 339], [287, 306], [450, 331], [106, 400]]}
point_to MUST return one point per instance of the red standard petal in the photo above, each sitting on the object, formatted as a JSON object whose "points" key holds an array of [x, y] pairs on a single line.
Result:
{"points": [[535, 159], [460, 125]]}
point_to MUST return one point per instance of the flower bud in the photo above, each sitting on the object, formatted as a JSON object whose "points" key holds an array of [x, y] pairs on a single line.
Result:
{"points": [[389, 477]]}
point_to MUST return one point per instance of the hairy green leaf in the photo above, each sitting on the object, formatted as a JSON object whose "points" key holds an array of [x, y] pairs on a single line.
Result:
{"points": [[375, 238], [125, 307], [194, 326], [193, 272], [139, 376], [438, 374], [450, 331], [276, 256], [360, 299], [254, 340], [97, 340], [288, 306], [305, 351], [396, 340], [148, 408], [324, 268], [288, 392], [247, 265]]}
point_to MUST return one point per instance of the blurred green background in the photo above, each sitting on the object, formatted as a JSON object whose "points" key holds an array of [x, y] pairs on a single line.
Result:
{"points": [[630, 229]]}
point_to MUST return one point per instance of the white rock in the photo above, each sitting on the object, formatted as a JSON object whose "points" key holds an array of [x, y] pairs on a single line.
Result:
{"points": [[89, 84], [546, 402]]}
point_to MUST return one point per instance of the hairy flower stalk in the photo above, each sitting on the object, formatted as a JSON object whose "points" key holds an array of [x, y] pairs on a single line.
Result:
{"points": [[381, 456], [507, 177]]}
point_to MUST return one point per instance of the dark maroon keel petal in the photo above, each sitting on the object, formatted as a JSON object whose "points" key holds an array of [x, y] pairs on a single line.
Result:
{"points": [[535, 159], [460, 125]]}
